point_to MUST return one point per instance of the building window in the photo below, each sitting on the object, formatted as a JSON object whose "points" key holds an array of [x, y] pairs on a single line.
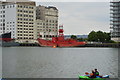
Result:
{"points": [[3, 6], [3, 15], [20, 6], [3, 11]]}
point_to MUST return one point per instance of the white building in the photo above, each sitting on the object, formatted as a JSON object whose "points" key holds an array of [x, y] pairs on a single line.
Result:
{"points": [[8, 19], [115, 20], [27, 22], [46, 22], [19, 19]]}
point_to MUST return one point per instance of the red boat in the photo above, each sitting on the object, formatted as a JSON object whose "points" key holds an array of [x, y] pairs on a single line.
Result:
{"points": [[60, 41]]}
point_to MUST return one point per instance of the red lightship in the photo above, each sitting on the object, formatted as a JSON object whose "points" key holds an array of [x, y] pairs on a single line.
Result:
{"points": [[60, 41]]}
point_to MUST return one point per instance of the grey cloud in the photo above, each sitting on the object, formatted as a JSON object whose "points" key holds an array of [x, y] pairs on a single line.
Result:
{"points": [[82, 17], [71, 0]]}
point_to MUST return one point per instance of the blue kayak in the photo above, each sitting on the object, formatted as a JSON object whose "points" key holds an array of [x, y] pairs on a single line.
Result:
{"points": [[97, 78]]}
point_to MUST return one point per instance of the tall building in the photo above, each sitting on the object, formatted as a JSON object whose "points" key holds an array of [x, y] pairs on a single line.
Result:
{"points": [[47, 22], [115, 20], [19, 19]]}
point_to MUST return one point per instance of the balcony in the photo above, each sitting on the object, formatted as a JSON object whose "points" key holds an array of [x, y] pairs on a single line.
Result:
{"points": [[114, 1], [115, 9], [113, 5], [115, 16], [115, 13], [115, 20], [117, 23], [111, 27]]}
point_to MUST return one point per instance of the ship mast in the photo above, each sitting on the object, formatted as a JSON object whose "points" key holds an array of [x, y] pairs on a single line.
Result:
{"points": [[61, 30]]}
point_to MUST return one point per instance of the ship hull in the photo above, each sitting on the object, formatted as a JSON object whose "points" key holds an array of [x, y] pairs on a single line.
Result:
{"points": [[65, 43], [46, 43]]}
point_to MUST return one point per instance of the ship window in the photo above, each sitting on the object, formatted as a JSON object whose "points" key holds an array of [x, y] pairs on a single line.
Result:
{"points": [[40, 35]]}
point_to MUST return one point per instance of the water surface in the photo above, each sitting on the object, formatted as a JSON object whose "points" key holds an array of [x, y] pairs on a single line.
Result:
{"points": [[41, 62]]}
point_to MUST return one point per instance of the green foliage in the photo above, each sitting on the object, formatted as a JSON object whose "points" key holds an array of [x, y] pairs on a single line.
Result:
{"points": [[82, 39], [73, 37], [92, 36], [111, 41], [99, 36]]}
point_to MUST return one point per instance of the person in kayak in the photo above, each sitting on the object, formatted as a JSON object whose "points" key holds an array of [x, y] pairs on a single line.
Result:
{"points": [[96, 73], [92, 75]]}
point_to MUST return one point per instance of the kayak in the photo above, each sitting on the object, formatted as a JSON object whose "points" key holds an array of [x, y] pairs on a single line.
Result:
{"points": [[87, 78], [93, 79]]}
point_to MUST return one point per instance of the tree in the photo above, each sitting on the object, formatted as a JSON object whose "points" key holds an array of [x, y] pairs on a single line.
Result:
{"points": [[92, 36], [107, 37], [73, 37], [80, 39], [99, 36]]}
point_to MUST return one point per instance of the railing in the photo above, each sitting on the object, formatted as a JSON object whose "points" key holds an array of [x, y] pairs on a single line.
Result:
{"points": [[114, 5], [118, 23], [114, 0], [115, 16], [117, 20], [115, 12]]}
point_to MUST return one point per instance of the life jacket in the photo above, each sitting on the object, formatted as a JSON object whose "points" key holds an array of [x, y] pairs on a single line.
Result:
{"points": [[96, 73]]}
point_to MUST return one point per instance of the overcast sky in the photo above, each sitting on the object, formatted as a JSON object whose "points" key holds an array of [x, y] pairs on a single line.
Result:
{"points": [[81, 16]]}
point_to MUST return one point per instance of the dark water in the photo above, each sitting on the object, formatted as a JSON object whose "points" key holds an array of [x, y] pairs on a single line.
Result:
{"points": [[40, 62]]}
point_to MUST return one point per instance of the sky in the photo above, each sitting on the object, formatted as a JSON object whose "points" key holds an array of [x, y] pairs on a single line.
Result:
{"points": [[80, 17], [69, 0]]}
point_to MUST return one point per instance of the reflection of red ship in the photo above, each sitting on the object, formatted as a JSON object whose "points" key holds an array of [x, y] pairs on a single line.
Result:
{"points": [[60, 41]]}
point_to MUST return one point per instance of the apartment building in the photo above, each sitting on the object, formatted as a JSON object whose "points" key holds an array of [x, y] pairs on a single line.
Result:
{"points": [[47, 22], [115, 20], [19, 19]]}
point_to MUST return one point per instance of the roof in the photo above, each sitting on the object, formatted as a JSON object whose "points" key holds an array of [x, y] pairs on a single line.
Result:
{"points": [[52, 7], [48, 7], [19, 2]]}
